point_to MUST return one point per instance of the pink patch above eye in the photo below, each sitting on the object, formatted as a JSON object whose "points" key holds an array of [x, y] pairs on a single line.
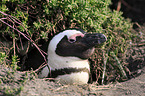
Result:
{"points": [[72, 38]]}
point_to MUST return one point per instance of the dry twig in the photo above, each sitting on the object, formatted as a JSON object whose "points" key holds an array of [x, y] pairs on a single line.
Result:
{"points": [[13, 19]]}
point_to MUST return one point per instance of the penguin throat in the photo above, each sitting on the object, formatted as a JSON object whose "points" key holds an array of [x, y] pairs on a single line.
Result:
{"points": [[58, 62]]}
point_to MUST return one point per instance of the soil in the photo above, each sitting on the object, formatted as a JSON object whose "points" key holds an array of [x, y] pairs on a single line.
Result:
{"points": [[133, 87], [27, 84], [12, 82]]}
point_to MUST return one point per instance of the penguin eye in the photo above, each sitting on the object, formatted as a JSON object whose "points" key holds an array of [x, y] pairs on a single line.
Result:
{"points": [[71, 40]]}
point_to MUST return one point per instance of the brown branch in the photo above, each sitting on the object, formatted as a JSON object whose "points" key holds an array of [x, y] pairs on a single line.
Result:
{"points": [[119, 5], [127, 5], [14, 19], [42, 66], [24, 35]]}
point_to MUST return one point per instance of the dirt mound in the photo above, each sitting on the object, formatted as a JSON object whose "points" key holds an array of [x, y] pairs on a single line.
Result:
{"points": [[27, 84]]}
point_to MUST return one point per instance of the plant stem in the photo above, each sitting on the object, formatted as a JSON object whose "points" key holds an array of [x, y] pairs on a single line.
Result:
{"points": [[119, 65]]}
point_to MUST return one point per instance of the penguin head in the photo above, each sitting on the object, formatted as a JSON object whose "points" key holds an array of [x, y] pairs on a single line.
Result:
{"points": [[75, 43]]}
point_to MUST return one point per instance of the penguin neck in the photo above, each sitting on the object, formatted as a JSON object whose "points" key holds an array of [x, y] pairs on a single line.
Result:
{"points": [[59, 62]]}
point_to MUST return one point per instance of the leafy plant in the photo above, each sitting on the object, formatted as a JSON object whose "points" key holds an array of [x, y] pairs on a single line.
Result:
{"points": [[29, 22], [3, 57], [14, 64]]}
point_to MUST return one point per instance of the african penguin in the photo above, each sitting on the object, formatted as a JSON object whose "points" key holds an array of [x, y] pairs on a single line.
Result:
{"points": [[68, 54]]}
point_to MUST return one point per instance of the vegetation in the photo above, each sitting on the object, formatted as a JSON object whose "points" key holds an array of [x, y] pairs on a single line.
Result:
{"points": [[25, 23]]}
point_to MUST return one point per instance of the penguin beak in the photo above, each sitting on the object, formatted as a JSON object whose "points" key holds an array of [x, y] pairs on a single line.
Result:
{"points": [[94, 39]]}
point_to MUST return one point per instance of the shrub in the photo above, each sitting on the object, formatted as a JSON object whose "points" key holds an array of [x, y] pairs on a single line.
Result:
{"points": [[33, 21]]}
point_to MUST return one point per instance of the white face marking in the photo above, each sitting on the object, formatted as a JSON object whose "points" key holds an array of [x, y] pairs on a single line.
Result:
{"points": [[73, 37], [56, 39]]}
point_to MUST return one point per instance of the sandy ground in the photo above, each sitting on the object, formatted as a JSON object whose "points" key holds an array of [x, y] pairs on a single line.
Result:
{"points": [[133, 87], [27, 84]]}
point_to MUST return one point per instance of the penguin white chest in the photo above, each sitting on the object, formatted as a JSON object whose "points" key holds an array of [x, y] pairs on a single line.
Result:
{"points": [[70, 70], [76, 72], [74, 78]]}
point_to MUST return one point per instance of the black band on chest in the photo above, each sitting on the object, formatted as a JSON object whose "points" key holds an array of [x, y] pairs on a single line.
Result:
{"points": [[57, 72]]}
